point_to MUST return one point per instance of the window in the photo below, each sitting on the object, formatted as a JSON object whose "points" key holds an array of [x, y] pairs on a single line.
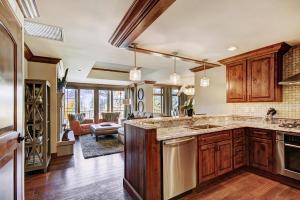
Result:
{"points": [[87, 103], [118, 97], [70, 102], [104, 96], [175, 103], [157, 100]]}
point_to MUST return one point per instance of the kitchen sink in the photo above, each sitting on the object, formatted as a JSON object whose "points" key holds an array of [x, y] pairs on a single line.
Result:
{"points": [[204, 126]]}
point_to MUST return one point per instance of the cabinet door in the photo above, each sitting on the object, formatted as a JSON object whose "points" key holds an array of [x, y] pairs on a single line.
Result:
{"points": [[207, 162], [261, 153], [236, 75], [224, 157], [261, 78]]}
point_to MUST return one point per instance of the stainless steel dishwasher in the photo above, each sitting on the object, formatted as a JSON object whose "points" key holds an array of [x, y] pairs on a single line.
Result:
{"points": [[179, 166]]}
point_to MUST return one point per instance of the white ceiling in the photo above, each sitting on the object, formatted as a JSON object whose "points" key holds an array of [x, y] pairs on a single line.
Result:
{"points": [[87, 27], [195, 28], [206, 28]]}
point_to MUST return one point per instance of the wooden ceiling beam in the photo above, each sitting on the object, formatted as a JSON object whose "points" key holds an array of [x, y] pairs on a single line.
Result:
{"points": [[141, 14], [167, 55]]}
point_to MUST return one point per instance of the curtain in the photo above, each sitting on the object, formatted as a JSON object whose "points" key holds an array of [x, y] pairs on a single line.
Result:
{"points": [[127, 107], [167, 101]]}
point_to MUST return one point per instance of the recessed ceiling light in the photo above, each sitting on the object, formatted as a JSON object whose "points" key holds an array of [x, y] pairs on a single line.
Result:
{"points": [[232, 48]]}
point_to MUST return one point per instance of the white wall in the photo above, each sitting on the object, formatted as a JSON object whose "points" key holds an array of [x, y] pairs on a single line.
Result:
{"points": [[212, 99]]}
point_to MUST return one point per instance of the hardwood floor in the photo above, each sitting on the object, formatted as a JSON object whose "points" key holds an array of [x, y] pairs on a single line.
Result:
{"points": [[246, 186], [101, 178], [78, 178]]}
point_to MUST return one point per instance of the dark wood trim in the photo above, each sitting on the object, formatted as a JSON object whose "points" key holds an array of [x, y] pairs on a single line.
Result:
{"points": [[110, 70], [53, 155], [168, 55], [281, 48], [162, 85], [41, 59], [140, 15], [128, 187], [149, 82], [94, 86], [201, 68]]}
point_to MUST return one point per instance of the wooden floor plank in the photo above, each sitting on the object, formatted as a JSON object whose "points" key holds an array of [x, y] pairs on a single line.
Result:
{"points": [[72, 178]]}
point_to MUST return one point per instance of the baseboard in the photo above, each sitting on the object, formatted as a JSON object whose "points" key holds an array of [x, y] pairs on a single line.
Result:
{"points": [[53, 155], [276, 177], [131, 190]]}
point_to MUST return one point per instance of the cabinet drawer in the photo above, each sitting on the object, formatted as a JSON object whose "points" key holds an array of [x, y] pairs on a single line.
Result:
{"points": [[238, 133], [214, 137], [239, 160], [261, 133]]}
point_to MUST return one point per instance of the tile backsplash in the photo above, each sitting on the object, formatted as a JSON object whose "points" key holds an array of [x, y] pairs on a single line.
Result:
{"points": [[290, 107]]}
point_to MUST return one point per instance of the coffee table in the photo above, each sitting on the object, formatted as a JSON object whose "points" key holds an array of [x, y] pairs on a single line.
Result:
{"points": [[106, 128]]}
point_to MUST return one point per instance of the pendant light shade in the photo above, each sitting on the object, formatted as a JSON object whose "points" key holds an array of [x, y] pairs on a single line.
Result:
{"points": [[175, 78], [135, 74], [204, 81]]}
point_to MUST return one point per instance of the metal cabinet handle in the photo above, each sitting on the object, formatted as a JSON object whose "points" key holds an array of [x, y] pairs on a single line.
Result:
{"points": [[291, 145], [174, 142]]}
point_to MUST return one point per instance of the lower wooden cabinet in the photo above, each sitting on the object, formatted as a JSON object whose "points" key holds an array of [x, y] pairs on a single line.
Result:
{"points": [[215, 159], [261, 153], [261, 149], [239, 148]]}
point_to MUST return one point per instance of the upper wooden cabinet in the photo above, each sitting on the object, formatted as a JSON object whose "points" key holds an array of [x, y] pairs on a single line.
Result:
{"points": [[254, 76], [236, 82]]}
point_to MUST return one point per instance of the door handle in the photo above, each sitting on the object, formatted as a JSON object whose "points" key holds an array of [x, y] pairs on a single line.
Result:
{"points": [[20, 138]]}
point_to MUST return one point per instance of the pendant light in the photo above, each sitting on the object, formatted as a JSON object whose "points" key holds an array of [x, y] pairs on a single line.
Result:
{"points": [[135, 74], [204, 81], [175, 78]]}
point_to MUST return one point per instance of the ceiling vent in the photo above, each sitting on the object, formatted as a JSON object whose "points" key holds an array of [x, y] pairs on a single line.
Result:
{"points": [[28, 8], [43, 31]]}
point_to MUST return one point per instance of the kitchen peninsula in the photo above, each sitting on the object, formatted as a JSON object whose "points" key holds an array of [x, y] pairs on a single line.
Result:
{"points": [[201, 148]]}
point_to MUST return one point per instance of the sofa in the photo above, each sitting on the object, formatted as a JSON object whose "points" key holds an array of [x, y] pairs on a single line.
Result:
{"points": [[79, 124]]}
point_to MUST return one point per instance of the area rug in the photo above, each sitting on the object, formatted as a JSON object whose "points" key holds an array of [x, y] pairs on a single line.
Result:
{"points": [[108, 144]]}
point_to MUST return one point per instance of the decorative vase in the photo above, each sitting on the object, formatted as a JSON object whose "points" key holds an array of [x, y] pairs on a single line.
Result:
{"points": [[190, 112]]}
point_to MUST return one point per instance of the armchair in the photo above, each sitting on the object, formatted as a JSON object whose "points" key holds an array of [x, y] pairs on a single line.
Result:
{"points": [[79, 125]]}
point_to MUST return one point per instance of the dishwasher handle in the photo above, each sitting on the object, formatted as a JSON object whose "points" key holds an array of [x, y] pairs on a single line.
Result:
{"points": [[178, 141]]}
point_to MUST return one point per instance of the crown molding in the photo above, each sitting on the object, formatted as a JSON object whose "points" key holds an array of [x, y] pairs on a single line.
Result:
{"points": [[281, 47], [41, 59]]}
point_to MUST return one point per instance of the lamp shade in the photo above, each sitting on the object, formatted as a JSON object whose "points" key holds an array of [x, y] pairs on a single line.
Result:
{"points": [[204, 82], [175, 78], [135, 75]]}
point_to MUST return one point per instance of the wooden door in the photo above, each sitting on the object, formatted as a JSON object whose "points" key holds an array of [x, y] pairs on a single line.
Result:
{"points": [[261, 78], [261, 153], [207, 162], [224, 157], [236, 74], [11, 105]]}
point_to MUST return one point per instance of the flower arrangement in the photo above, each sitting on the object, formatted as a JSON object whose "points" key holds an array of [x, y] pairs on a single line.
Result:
{"points": [[189, 106]]}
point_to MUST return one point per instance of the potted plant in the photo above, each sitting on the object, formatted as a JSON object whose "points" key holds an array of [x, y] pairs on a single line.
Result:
{"points": [[62, 82], [188, 106]]}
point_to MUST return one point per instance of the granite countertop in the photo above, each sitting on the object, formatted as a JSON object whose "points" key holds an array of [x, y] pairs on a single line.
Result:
{"points": [[177, 132]]}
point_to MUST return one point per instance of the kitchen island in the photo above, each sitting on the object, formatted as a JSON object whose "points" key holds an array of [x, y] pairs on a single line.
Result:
{"points": [[221, 143]]}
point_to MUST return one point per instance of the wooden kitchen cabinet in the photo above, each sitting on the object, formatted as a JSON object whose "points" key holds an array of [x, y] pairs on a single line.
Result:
{"points": [[215, 155], [261, 79], [254, 76], [236, 76], [239, 148], [261, 149]]}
